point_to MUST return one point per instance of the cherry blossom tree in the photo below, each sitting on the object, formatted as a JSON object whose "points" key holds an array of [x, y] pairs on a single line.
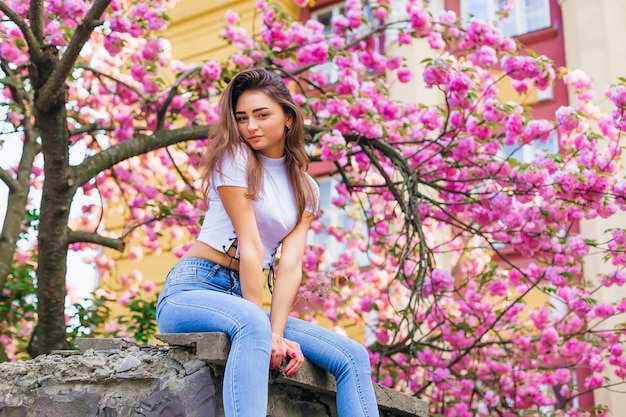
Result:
{"points": [[442, 212]]}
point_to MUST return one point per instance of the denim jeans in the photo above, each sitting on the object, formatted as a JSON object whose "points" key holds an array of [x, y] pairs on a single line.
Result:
{"points": [[201, 296]]}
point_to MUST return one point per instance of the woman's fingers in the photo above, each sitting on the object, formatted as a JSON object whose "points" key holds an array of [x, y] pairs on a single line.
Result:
{"points": [[278, 351], [294, 365], [296, 357], [282, 348]]}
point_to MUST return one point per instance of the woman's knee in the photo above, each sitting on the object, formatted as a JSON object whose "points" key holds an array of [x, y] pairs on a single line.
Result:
{"points": [[254, 324], [358, 353]]}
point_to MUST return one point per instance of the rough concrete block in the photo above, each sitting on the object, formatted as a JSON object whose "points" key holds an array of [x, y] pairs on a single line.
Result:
{"points": [[212, 347], [84, 344], [183, 379]]}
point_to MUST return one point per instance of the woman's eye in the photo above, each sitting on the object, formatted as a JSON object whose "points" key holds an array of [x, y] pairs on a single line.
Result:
{"points": [[240, 119]]}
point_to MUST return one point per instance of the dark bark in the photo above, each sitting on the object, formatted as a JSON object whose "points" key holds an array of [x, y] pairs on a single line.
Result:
{"points": [[18, 187], [49, 333], [16, 203]]}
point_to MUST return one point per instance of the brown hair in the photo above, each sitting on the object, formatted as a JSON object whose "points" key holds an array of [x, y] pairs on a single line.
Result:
{"points": [[224, 137]]}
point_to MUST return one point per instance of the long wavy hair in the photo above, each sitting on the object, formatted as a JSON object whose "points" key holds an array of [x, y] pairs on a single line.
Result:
{"points": [[224, 137]]}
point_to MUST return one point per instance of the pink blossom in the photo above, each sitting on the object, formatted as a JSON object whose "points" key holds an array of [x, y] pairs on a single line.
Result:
{"points": [[75, 8], [593, 381], [436, 75], [521, 86], [577, 246], [333, 146], [113, 44], [567, 118], [211, 71], [486, 56], [313, 54], [617, 95], [404, 75], [520, 67], [148, 286], [404, 38], [232, 17], [119, 22], [9, 52], [435, 41], [124, 299], [241, 60], [420, 18]]}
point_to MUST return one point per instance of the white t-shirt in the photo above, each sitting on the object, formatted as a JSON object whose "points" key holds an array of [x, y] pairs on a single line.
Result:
{"points": [[275, 209]]}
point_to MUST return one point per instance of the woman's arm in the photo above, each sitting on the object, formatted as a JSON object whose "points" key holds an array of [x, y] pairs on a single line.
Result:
{"points": [[289, 274], [239, 209]]}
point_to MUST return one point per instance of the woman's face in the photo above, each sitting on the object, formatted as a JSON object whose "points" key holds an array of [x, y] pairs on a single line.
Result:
{"points": [[261, 122]]}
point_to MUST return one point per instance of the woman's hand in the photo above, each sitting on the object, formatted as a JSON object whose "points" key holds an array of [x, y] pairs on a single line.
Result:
{"points": [[282, 348]]}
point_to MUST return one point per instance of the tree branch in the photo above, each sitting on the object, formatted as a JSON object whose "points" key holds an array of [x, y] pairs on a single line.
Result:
{"points": [[36, 18], [139, 145], [34, 47], [90, 128], [31, 147], [91, 237], [173, 91], [10, 182], [12, 84], [55, 83], [177, 168], [118, 81]]}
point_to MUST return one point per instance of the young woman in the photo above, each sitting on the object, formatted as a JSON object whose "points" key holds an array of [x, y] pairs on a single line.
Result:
{"points": [[260, 198]]}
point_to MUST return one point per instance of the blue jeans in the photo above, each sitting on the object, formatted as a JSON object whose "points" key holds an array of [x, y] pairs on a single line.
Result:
{"points": [[201, 296]]}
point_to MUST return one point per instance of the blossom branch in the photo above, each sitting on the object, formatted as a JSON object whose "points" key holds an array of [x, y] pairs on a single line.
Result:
{"points": [[54, 85], [34, 47], [140, 144], [12, 184], [162, 110], [112, 78]]}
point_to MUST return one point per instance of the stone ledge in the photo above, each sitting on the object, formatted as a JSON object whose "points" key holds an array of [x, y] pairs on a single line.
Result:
{"points": [[213, 347], [84, 344], [111, 377]]}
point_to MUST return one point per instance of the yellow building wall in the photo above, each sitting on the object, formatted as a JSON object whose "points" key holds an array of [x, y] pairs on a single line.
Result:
{"points": [[196, 26], [593, 33]]}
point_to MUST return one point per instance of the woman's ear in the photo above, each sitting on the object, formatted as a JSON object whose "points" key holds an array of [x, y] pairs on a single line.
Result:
{"points": [[288, 121]]}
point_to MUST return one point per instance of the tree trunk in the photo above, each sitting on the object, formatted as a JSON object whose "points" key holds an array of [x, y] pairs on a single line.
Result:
{"points": [[16, 205], [17, 200], [49, 333]]}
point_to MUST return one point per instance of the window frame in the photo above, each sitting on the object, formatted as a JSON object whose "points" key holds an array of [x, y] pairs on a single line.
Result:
{"points": [[331, 215], [519, 16]]}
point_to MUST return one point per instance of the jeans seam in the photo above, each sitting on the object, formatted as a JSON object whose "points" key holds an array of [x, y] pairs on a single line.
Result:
{"points": [[353, 368]]}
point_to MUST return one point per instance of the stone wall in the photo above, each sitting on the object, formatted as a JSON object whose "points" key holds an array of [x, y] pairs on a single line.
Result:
{"points": [[114, 378]]}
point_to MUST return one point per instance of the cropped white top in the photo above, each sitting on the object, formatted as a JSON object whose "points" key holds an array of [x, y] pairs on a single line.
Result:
{"points": [[275, 209]]}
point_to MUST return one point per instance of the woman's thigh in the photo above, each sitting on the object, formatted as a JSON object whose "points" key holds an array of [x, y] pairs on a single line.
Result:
{"points": [[210, 311]]}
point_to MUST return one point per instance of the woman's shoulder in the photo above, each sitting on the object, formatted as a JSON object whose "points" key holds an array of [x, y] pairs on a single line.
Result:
{"points": [[313, 197], [236, 155], [314, 185]]}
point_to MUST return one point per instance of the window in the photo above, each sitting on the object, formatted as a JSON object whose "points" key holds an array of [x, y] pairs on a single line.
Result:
{"points": [[526, 153], [349, 219], [327, 16], [526, 16]]}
